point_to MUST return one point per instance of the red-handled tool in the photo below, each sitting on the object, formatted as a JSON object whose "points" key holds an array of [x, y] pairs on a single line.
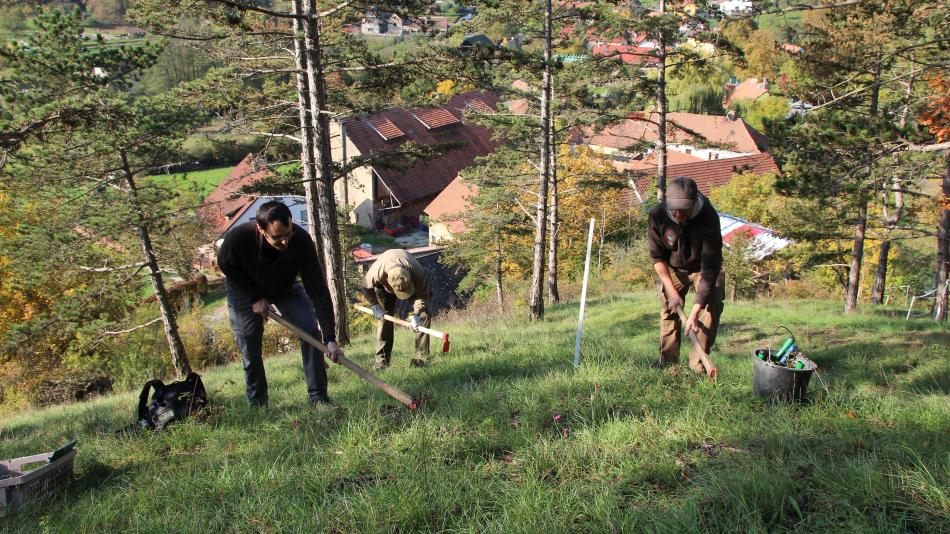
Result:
{"points": [[435, 333]]}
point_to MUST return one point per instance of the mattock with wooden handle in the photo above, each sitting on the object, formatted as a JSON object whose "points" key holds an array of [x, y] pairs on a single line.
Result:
{"points": [[390, 390], [711, 370], [435, 333]]}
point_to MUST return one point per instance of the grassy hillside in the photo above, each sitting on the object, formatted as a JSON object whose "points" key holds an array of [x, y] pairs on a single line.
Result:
{"points": [[644, 450], [197, 183]]}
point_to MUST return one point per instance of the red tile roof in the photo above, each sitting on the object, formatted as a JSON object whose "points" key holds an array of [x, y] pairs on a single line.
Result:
{"points": [[518, 106], [749, 89], [386, 129], [219, 209], [629, 54], [725, 133], [450, 203], [435, 118], [709, 174], [649, 162], [479, 105], [425, 180]]}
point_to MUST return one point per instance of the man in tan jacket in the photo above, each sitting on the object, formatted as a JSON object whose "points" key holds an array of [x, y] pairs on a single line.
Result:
{"points": [[396, 274]]}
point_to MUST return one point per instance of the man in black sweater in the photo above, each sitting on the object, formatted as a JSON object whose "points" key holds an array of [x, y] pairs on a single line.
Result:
{"points": [[686, 248], [262, 261]]}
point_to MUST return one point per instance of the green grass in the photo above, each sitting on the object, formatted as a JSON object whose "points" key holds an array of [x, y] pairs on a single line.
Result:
{"points": [[778, 22], [360, 234], [199, 183], [646, 450]]}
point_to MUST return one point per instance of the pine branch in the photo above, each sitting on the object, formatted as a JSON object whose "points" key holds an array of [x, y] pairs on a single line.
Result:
{"points": [[138, 265], [134, 328]]}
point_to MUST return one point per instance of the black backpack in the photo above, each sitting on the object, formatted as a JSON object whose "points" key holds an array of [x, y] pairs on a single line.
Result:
{"points": [[171, 402]]}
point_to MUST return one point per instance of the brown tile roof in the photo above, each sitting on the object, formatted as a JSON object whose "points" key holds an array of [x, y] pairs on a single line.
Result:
{"points": [[435, 118], [450, 203], [480, 105], [425, 180], [629, 54], [518, 106], [219, 209], [709, 174], [649, 162], [386, 129], [725, 133], [749, 89]]}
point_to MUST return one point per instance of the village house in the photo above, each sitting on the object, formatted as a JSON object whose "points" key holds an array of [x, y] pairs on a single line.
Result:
{"points": [[748, 91], [708, 137], [379, 195], [707, 174], [446, 210], [734, 7], [226, 206], [378, 22]]}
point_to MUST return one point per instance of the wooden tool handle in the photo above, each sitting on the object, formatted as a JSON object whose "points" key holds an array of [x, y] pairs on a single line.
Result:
{"points": [[711, 369], [390, 390], [435, 333]]}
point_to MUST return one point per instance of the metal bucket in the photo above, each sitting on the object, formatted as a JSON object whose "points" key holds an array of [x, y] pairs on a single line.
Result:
{"points": [[778, 383]]}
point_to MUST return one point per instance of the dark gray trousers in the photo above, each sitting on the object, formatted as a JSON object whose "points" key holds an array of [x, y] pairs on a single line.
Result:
{"points": [[295, 306]]}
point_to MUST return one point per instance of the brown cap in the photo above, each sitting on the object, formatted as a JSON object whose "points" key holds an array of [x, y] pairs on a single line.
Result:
{"points": [[401, 282], [681, 193]]}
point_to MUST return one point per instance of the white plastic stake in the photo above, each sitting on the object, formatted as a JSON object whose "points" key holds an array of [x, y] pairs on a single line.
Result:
{"points": [[580, 316]]}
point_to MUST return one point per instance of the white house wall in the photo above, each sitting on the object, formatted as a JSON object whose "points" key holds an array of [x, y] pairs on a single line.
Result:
{"points": [[707, 153], [357, 187]]}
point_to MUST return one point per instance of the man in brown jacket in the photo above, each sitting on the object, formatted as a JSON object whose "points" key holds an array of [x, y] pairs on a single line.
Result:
{"points": [[396, 274], [686, 248]]}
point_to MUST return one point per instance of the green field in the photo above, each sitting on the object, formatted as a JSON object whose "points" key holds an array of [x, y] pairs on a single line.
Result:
{"points": [[778, 22], [199, 182], [644, 450]]}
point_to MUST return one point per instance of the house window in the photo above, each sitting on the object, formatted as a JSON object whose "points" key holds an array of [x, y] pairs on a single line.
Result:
{"points": [[303, 215], [716, 156], [689, 151]]}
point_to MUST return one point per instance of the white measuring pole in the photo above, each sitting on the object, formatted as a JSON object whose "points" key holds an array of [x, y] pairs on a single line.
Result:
{"points": [[580, 316]]}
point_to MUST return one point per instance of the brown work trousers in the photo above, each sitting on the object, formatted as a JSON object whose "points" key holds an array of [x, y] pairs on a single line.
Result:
{"points": [[384, 331], [671, 327]]}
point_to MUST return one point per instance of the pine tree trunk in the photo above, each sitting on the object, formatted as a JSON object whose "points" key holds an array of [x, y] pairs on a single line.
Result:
{"points": [[175, 346], [943, 246], [323, 175], [536, 301], [554, 296], [860, 229], [307, 163], [880, 275], [661, 116], [857, 255], [890, 221]]}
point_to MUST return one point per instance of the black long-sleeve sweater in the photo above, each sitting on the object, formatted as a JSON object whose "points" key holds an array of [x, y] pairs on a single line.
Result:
{"points": [[695, 246], [261, 271]]}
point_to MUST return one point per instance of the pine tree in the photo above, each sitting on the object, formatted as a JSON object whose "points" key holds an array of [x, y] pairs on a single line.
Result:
{"points": [[72, 129]]}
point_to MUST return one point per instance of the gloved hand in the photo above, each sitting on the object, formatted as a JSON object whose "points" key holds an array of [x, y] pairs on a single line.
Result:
{"points": [[378, 311], [415, 322]]}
